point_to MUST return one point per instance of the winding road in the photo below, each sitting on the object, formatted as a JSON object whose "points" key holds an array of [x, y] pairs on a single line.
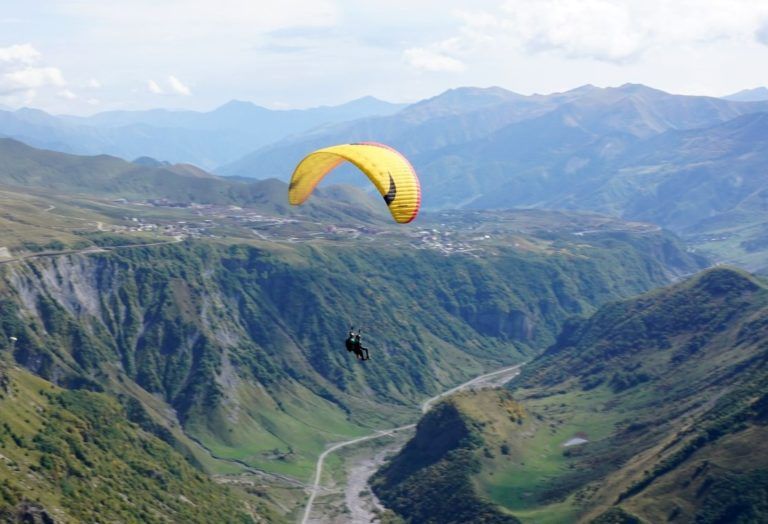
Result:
{"points": [[487, 380]]}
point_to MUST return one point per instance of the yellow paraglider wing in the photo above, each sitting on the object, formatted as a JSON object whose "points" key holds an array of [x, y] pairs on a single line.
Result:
{"points": [[389, 171]]}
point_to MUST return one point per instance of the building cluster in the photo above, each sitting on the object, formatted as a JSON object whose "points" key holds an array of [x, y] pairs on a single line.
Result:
{"points": [[207, 220]]}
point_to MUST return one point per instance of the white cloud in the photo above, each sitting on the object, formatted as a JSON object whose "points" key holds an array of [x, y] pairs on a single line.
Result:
{"points": [[154, 87], [617, 31], [178, 87], [599, 29], [432, 60], [346, 48], [20, 54], [31, 78], [173, 86], [19, 73], [67, 94]]}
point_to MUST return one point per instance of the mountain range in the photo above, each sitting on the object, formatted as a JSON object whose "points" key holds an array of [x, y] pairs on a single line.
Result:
{"points": [[231, 352], [691, 164], [688, 163], [163, 327], [217, 348], [206, 139]]}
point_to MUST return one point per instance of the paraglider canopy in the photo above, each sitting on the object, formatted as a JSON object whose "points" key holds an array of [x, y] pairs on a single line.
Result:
{"points": [[390, 172]]}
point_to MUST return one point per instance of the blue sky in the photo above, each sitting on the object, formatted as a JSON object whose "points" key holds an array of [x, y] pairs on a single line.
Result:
{"points": [[84, 56]]}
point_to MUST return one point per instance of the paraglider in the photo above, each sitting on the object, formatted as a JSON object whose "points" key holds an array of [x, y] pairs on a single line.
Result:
{"points": [[355, 344], [390, 172]]}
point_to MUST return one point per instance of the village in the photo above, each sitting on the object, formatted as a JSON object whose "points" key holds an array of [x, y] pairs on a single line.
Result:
{"points": [[213, 221]]}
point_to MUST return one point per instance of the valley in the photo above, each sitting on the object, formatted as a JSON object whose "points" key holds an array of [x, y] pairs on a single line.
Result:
{"points": [[187, 327], [359, 474], [601, 428], [218, 325]]}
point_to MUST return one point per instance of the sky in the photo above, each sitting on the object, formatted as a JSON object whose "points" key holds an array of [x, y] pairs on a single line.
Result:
{"points": [[87, 56]]}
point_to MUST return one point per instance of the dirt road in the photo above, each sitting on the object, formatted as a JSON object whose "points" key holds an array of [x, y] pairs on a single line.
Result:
{"points": [[354, 503], [86, 251]]}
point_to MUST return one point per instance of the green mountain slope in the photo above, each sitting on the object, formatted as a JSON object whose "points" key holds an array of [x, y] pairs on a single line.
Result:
{"points": [[651, 410], [685, 369], [24, 168], [54, 201], [243, 343], [72, 456], [227, 345], [430, 480]]}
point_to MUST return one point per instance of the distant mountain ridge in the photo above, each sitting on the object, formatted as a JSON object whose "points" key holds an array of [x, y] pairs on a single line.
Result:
{"points": [[749, 95], [206, 139], [24, 167], [234, 113], [630, 151], [693, 164], [474, 118]]}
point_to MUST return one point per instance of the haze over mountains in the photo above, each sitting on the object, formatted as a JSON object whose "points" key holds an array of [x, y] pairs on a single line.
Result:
{"points": [[749, 95], [206, 139], [691, 164]]}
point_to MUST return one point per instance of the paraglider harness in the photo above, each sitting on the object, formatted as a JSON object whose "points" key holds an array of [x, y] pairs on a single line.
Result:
{"points": [[354, 344]]}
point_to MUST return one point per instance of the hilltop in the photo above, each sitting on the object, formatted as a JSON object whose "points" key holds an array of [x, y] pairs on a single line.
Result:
{"points": [[430, 480], [55, 201], [24, 168]]}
